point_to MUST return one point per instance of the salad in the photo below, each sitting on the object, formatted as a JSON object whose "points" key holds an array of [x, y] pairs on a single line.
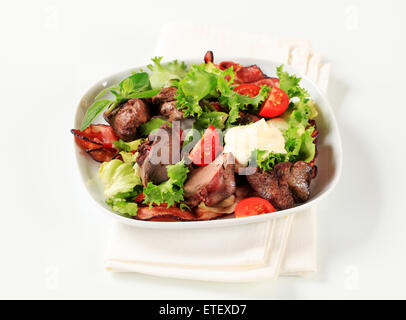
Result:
{"points": [[204, 141]]}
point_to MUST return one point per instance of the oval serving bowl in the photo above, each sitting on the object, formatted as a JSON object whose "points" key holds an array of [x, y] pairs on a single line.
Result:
{"points": [[329, 160]]}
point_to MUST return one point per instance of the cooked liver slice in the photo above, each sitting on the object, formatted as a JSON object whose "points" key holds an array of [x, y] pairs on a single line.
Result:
{"points": [[288, 183], [211, 183]]}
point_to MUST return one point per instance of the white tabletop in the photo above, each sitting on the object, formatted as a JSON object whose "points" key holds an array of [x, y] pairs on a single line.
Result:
{"points": [[52, 236]]}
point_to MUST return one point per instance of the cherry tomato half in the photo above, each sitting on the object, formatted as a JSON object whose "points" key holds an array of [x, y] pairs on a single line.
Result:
{"points": [[248, 89], [253, 206], [276, 103], [208, 147]]}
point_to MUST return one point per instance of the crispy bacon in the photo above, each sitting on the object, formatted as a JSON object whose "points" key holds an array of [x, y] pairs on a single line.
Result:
{"points": [[227, 64], [203, 214], [270, 82], [103, 154], [176, 214], [85, 143], [147, 213], [249, 74], [97, 141], [315, 135], [208, 57]]}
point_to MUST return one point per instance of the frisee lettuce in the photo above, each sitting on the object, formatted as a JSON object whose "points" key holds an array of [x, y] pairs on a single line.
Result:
{"points": [[165, 74], [290, 84], [299, 142], [197, 84], [205, 81], [266, 160], [170, 191]]}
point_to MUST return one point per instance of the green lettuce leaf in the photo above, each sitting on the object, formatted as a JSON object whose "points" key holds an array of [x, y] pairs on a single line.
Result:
{"points": [[122, 206], [290, 84], [299, 142], [170, 191], [165, 74], [129, 157], [196, 85], [121, 145], [307, 147], [266, 160], [118, 177], [215, 118], [151, 125]]}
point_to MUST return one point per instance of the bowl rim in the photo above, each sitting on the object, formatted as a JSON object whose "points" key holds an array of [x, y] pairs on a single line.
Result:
{"points": [[231, 221]]}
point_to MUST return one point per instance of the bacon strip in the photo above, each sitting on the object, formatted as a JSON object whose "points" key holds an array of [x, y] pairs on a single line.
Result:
{"points": [[176, 214], [315, 135], [227, 64], [103, 154], [208, 57], [146, 213], [249, 74], [84, 142]]}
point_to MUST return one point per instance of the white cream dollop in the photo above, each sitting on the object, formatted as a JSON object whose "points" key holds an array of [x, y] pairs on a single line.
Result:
{"points": [[242, 140]]}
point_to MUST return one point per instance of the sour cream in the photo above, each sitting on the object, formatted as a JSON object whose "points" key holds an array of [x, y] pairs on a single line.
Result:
{"points": [[242, 140]]}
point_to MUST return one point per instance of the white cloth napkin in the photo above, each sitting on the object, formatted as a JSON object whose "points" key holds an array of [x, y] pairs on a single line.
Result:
{"points": [[251, 252]]}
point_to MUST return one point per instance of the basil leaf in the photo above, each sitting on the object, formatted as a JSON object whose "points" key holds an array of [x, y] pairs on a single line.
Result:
{"points": [[144, 94], [93, 111], [136, 82], [103, 92]]}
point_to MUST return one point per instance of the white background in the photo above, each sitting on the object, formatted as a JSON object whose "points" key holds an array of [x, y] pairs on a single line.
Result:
{"points": [[52, 236]]}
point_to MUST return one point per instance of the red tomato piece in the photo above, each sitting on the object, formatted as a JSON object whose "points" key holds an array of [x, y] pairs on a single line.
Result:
{"points": [[253, 206], [270, 82], [248, 89], [276, 103], [208, 147]]}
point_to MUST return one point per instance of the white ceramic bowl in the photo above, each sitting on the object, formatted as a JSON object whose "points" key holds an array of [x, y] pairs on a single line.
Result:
{"points": [[329, 160]]}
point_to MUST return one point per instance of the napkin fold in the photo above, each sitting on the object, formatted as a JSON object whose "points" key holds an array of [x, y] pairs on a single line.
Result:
{"points": [[249, 252]]}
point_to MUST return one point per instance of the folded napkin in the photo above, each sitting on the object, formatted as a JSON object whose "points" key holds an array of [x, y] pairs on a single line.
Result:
{"points": [[249, 252]]}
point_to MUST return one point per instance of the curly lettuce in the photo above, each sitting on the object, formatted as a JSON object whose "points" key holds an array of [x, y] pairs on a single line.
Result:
{"points": [[237, 102], [165, 74], [266, 160], [205, 81], [299, 142], [195, 86], [170, 191]]}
